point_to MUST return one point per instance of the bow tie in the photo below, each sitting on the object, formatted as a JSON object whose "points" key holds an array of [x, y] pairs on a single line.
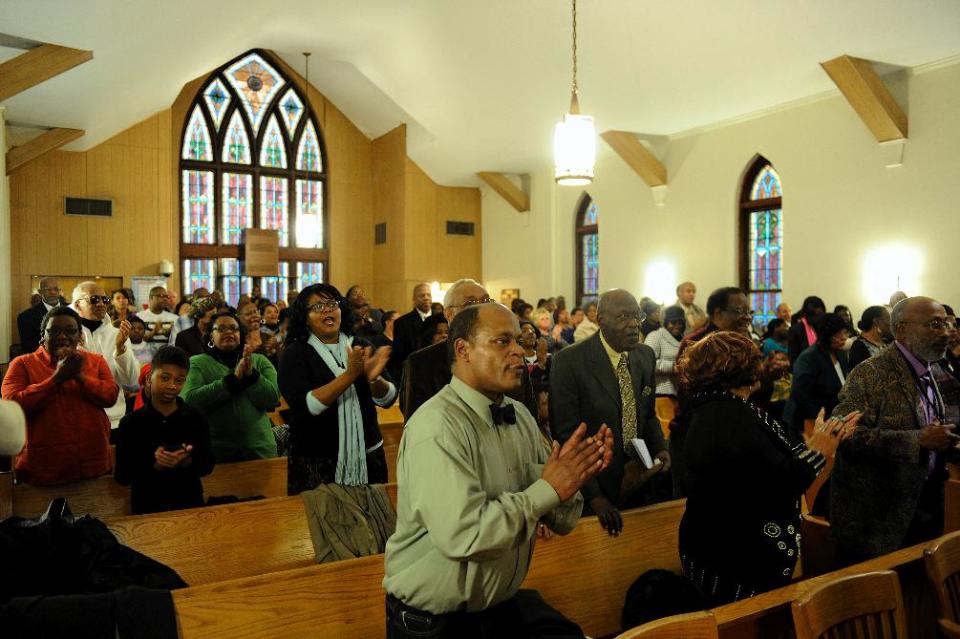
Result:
{"points": [[503, 414]]}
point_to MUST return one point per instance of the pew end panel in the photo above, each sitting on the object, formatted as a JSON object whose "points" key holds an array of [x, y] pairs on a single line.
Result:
{"points": [[942, 561], [694, 625], [870, 602]]}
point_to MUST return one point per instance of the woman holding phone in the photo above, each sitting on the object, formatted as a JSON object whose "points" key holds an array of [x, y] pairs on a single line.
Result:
{"points": [[63, 391]]}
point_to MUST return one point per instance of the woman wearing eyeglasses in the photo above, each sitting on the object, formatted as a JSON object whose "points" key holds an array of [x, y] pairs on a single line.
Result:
{"points": [[333, 383], [235, 388], [63, 391]]}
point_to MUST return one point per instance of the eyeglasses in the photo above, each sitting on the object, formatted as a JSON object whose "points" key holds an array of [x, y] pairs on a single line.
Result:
{"points": [[639, 316], [328, 306], [97, 299], [68, 332], [934, 325], [472, 302], [742, 312], [227, 329]]}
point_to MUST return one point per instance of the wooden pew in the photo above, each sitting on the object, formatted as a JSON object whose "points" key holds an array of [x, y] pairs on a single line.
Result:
{"points": [[217, 543], [585, 575], [391, 427], [103, 497]]}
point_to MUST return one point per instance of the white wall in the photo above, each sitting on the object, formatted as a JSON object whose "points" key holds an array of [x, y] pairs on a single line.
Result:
{"points": [[840, 203]]}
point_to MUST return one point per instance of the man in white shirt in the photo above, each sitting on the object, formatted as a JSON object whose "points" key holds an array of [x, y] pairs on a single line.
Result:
{"points": [[158, 319], [113, 344]]}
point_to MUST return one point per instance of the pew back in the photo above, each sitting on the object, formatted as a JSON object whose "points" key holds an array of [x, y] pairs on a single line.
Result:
{"points": [[585, 575]]}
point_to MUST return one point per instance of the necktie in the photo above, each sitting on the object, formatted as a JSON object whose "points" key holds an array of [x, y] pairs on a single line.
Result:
{"points": [[503, 414], [628, 402]]}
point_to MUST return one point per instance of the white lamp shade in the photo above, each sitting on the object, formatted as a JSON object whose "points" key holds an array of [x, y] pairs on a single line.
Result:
{"points": [[574, 150]]}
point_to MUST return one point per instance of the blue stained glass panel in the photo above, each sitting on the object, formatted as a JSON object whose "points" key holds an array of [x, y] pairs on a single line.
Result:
{"points": [[274, 205], [291, 108], [309, 273], [766, 184], [272, 152], [237, 206], [236, 146], [199, 274], [232, 283], [308, 151], [197, 203], [591, 263], [196, 141], [218, 99], [590, 216], [275, 288]]}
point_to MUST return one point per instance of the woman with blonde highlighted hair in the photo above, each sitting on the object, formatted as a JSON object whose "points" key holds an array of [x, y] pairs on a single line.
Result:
{"points": [[740, 533]]}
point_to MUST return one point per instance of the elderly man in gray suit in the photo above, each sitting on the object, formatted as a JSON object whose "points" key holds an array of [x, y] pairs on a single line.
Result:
{"points": [[888, 478], [609, 379]]}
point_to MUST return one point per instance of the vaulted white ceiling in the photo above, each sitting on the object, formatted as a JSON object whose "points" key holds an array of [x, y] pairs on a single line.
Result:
{"points": [[480, 84]]}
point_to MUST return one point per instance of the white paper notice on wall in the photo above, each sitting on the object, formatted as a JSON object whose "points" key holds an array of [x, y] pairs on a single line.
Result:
{"points": [[641, 447]]}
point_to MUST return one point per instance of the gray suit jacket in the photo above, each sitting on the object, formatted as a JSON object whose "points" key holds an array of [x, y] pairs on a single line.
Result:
{"points": [[584, 388], [879, 472]]}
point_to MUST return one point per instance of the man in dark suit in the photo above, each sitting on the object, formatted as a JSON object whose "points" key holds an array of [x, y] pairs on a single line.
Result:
{"points": [[609, 379], [888, 478], [406, 328], [28, 322], [427, 370]]}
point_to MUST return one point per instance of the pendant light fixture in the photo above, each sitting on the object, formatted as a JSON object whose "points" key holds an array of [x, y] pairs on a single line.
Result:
{"points": [[574, 140]]}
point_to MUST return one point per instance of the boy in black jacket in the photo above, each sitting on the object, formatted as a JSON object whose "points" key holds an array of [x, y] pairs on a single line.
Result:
{"points": [[163, 449]]}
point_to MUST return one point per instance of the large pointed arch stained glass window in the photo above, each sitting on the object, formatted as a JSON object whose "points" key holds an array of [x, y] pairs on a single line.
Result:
{"points": [[761, 233], [251, 157]]}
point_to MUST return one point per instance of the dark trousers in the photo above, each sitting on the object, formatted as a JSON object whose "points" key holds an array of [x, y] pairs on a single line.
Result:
{"points": [[524, 616]]}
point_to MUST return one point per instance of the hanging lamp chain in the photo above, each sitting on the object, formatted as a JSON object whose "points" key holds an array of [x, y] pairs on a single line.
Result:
{"points": [[306, 75], [573, 88]]}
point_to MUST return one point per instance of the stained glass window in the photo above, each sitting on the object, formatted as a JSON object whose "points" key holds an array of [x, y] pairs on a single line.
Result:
{"points": [[766, 184], [236, 147], [232, 283], [273, 206], [309, 273], [291, 108], [257, 83], [762, 236], [308, 152], [309, 214], [197, 207], [196, 142], [217, 99], [199, 274], [237, 206], [588, 252], [252, 156], [276, 288]]}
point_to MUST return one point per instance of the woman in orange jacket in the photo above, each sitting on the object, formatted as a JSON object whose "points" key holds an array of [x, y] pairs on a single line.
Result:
{"points": [[63, 391]]}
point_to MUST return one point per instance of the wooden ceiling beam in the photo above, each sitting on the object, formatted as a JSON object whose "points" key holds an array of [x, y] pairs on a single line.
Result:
{"points": [[507, 190], [43, 143], [869, 97], [637, 157], [38, 65]]}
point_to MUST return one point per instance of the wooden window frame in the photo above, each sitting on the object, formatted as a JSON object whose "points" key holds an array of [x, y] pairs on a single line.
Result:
{"points": [[746, 206]]}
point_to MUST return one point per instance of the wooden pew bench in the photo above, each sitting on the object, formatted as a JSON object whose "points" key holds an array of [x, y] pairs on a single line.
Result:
{"points": [[391, 427], [103, 497], [585, 575], [217, 543]]}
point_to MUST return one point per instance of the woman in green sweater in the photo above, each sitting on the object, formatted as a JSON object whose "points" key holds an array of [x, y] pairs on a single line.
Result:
{"points": [[235, 388]]}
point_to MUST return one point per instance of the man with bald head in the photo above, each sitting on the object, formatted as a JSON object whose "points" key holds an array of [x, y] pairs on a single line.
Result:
{"points": [[686, 293], [28, 321], [609, 379], [427, 370], [100, 336], [887, 483], [406, 329]]}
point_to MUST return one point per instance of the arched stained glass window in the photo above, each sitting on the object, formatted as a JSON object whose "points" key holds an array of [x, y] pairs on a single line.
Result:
{"points": [[588, 252], [251, 157], [761, 240]]}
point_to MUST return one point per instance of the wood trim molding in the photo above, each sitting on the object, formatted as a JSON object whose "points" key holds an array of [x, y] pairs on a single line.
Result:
{"points": [[638, 157], [507, 190], [38, 65], [43, 143], [869, 97]]}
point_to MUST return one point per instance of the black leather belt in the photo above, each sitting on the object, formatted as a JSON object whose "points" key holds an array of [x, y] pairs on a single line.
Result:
{"points": [[417, 620]]}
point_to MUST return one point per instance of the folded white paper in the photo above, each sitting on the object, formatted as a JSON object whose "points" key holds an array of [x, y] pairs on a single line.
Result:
{"points": [[641, 447]]}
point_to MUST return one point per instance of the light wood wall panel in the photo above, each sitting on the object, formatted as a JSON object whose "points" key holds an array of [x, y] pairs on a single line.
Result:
{"points": [[458, 256], [420, 219], [388, 174]]}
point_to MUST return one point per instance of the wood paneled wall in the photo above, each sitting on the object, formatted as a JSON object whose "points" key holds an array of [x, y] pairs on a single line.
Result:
{"points": [[369, 182]]}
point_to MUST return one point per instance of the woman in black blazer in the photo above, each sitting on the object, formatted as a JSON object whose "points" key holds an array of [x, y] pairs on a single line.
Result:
{"points": [[332, 382], [803, 325], [818, 375]]}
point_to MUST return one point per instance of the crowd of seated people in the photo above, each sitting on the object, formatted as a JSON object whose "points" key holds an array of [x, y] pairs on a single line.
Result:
{"points": [[755, 417]]}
